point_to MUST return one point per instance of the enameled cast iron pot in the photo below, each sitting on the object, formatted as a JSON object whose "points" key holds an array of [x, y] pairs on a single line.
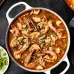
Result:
{"points": [[27, 8]]}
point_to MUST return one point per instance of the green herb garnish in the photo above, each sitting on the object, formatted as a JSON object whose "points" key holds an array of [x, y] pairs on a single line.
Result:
{"points": [[41, 34], [3, 60], [42, 43]]}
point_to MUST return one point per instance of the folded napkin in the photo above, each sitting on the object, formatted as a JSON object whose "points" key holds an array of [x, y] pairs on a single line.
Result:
{"points": [[71, 24]]}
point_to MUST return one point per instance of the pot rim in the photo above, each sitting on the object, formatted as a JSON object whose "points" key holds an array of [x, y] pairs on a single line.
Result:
{"points": [[49, 10]]}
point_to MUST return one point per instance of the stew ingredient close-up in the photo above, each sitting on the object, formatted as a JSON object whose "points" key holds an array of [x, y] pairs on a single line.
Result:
{"points": [[37, 39]]}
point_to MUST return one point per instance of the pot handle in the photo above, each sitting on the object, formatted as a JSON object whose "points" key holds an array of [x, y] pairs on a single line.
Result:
{"points": [[16, 4], [48, 72], [65, 70], [68, 65]]}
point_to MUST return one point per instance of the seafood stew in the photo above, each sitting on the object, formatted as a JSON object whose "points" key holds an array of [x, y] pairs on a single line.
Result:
{"points": [[37, 39], [70, 3]]}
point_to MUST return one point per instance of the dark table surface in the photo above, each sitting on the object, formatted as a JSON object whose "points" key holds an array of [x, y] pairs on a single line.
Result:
{"points": [[56, 5]]}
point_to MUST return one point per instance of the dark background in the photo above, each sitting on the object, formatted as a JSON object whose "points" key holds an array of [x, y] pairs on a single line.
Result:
{"points": [[56, 5]]}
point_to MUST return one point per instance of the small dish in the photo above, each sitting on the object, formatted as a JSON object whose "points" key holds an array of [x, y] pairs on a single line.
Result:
{"points": [[4, 60]]}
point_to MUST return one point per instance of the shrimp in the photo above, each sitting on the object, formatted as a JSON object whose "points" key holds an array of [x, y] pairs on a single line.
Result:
{"points": [[48, 59], [19, 26], [41, 61], [36, 19], [34, 47], [54, 29], [15, 31], [46, 27], [53, 54], [44, 31], [58, 22], [54, 38], [13, 42], [51, 26], [17, 54], [29, 23], [36, 11], [30, 65], [28, 58]]}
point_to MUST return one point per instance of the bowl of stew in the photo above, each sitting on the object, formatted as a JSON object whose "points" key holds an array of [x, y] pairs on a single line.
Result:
{"points": [[37, 39], [70, 3]]}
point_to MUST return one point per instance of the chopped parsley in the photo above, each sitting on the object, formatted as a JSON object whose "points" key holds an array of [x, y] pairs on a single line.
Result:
{"points": [[3, 60], [41, 34]]}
